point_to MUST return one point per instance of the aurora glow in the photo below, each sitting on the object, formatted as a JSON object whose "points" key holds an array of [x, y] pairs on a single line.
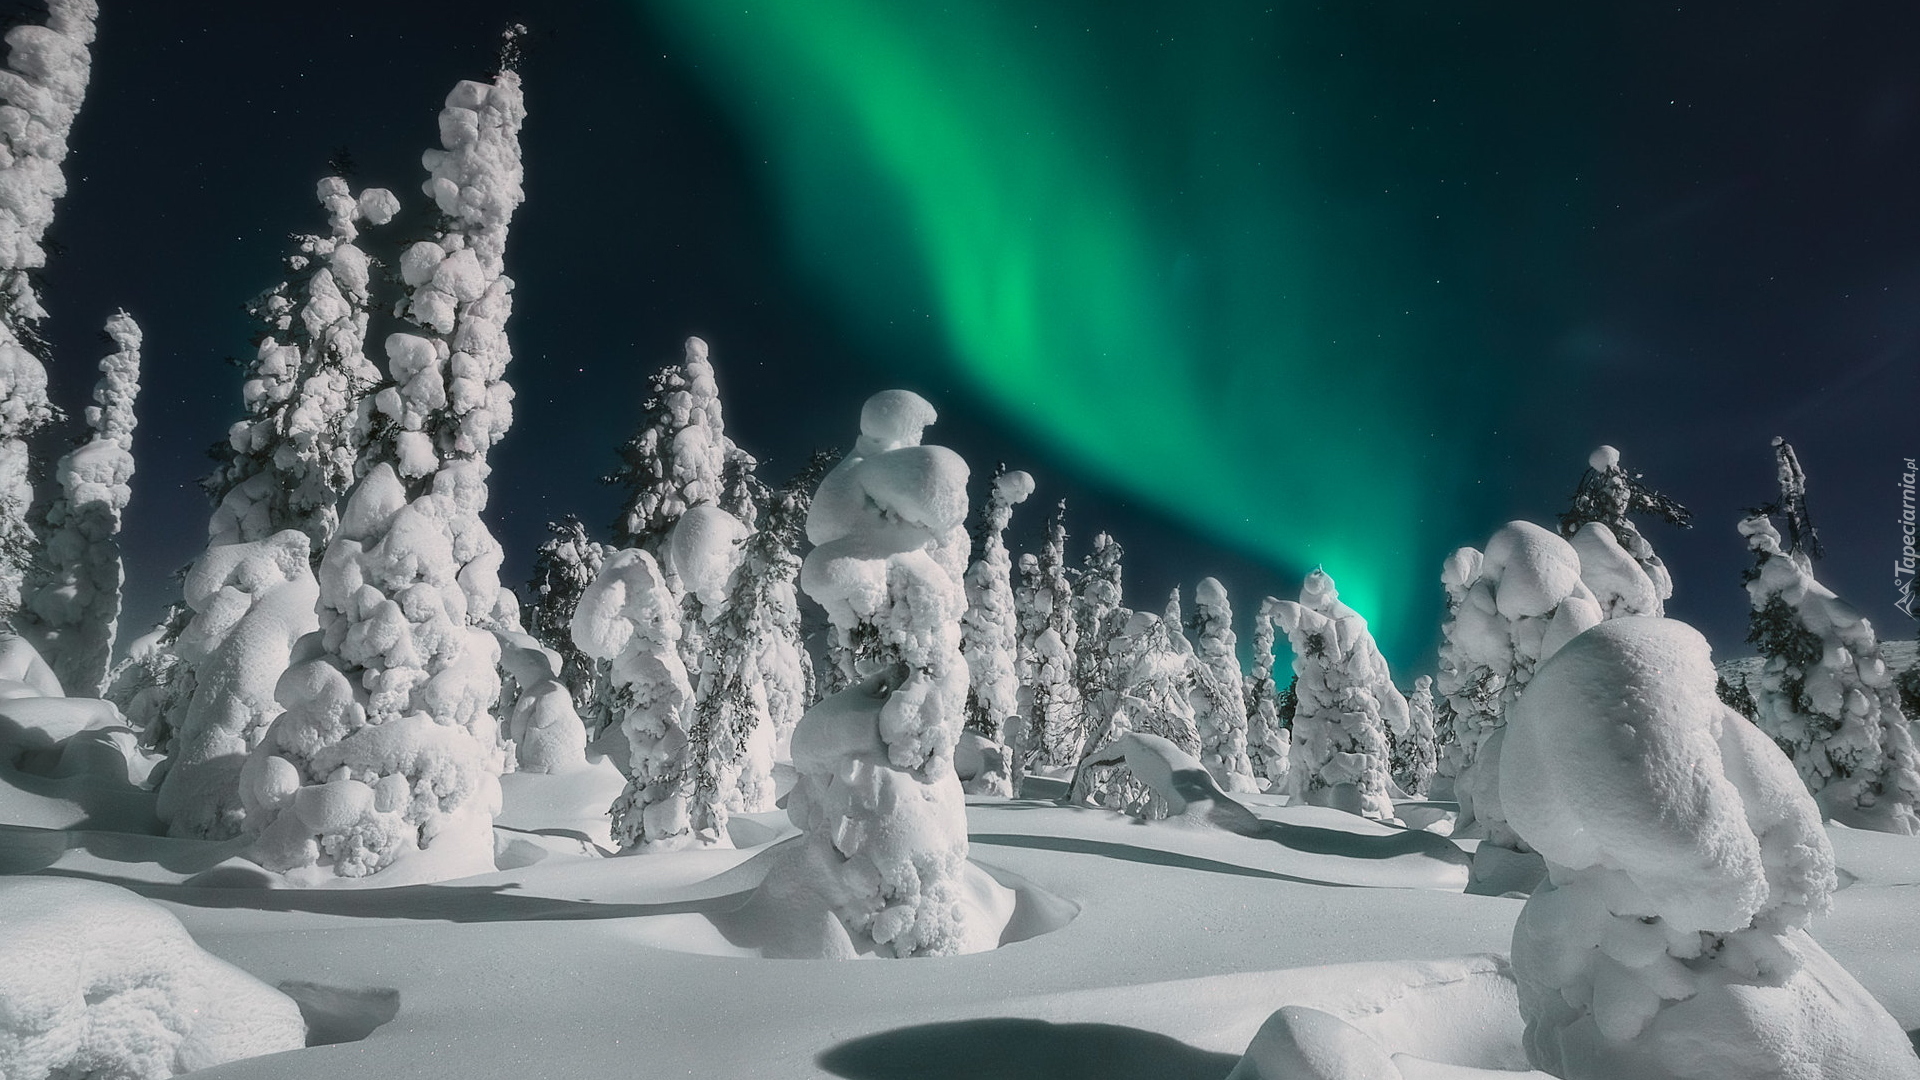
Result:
{"points": [[1130, 235]]}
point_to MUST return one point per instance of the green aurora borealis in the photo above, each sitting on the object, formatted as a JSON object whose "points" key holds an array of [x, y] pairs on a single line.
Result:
{"points": [[1202, 251]]}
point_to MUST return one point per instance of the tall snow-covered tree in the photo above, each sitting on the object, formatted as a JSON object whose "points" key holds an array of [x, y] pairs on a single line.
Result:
{"points": [[1152, 691], [1414, 755], [1825, 693], [41, 89], [1347, 703], [989, 632], [399, 685], [73, 603], [1269, 741], [883, 812], [1508, 610], [563, 567], [1051, 708], [1607, 495], [629, 619], [679, 456], [1219, 691], [1097, 613]]}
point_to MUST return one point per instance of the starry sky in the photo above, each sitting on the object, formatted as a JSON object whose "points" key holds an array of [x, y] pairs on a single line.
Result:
{"points": [[1255, 287]]}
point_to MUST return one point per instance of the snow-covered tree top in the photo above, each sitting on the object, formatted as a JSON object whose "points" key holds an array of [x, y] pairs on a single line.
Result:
{"points": [[891, 419], [44, 82], [112, 418], [476, 178], [1210, 595]]}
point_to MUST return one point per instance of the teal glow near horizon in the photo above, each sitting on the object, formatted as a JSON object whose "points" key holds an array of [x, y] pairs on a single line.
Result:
{"points": [[1130, 243]]}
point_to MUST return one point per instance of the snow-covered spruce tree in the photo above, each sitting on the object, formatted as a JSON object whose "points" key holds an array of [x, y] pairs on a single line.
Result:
{"points": [[1097, 615], [41, 88], [1269, 741], [883, 812], [678, 456], [1219, 691], [1414, 755], [629, 619], [563, 567], [1507, 611], [1152, 693], [1826, 695], [1050, 702], [388, 749], [1347, 703], [73, 600], [989, 632], [1606, 496], [302, 442]]}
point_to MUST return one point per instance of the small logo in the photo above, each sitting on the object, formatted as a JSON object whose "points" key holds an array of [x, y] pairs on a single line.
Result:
{"points": [[1903, 566]]}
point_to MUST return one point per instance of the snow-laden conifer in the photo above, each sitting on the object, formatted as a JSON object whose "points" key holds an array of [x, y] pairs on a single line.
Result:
{"points": [[989, 635], [388, 749], [1607, 495], [73, 602], [1269, 740], [883, 812], [1414, 755], [565, 564], [1508, 610], [289, 461], [1347, 703], [1219, 690], [41, 89], [1825, 693], [1051, 705], [630, 620], [1151, 693]]}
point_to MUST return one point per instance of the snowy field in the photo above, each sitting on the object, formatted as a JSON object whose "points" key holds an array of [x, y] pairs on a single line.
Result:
{"points": [[1157, 950]]}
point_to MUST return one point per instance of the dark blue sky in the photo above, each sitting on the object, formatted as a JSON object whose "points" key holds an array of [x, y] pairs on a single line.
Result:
{"points": [[1717, 242]]}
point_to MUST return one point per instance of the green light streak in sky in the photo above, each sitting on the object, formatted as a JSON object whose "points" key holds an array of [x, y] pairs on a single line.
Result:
{"points": [[1122, 242]]}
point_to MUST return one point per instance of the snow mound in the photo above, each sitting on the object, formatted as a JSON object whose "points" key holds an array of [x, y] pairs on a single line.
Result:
{"points": [[1685, 860], [95, 981]]}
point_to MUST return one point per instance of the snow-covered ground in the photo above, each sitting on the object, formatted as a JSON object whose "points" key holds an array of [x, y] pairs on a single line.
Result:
{"points": [[1137, 950]]}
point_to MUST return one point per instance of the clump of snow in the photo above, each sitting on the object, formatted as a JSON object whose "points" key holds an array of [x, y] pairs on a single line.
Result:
{"points": [[546, 732], [885, 818], [251, 603], [73, 606], [1685, 860], [1618, 583], [989, 635], [23, 669], [1219, 690], [97, 982], [1826, 695], [387, 734], [1347, 703]]}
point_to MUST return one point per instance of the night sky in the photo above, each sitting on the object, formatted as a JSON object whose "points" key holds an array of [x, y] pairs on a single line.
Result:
{"points": [[1255, 288]]}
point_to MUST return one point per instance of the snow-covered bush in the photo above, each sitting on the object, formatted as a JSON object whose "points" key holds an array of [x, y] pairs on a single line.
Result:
{"points": [[989, 632], [1347, 703], [1507, 611], [98, 982], [1153, 673], [1219, 690], [41, 89], [1050, 702], [630, 620], [73, 602], [289, 461], [1825, 694], [1606, 495], [386, 750], [563, 567], [251, 603], [1268, 740], [1685, 862], [541, 723], [884, 815], [1414, 754]]}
